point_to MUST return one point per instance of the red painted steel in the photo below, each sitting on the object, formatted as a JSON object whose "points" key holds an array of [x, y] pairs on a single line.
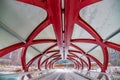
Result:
{"points": [[54, 13], [39, 61], [84, 41], [23, 59], [36, 57], [97, 61], [43, 41], [45, 52], [81, 60], [105, 57], [10, 49], [46, 64], [63, 36], [88, 64], [38, 29], [35, 3], [82, 52], [53, 60], [112, 45], [33, 59], [52, 56], [78, 62]]}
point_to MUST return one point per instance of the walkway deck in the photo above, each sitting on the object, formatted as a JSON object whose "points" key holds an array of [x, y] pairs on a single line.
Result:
{"points": [[63, 76]]}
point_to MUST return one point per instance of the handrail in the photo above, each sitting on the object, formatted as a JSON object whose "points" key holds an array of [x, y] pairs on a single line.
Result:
{"points": [[87, 77], [25, 74], [98, 75]]}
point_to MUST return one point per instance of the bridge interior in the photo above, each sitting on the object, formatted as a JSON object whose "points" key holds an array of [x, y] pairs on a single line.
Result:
{"points": [[45, 37]]}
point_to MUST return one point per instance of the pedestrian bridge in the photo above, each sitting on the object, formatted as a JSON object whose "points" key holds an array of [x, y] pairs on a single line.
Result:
{"points": [[42, 35], [60, 74]]}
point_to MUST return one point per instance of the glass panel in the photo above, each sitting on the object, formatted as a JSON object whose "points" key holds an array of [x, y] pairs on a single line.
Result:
{"points": [[31, 53], [97, 53], [79, 32], [43, 47], [84, 58], [103, 16], [72, 48], [114, 62], [55, 48], [15, 15], [34, 66], [115, 39], [47, 33], [78, 54], [46, 56], [95, 67], [114, 57], [6, 39], [85, 46]]}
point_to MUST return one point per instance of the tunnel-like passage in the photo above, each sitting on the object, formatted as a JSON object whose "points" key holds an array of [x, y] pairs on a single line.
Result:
{"points": [[39, 36]]}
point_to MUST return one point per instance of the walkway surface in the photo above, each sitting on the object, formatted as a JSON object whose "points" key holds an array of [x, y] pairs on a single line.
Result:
{"points": [[63, 76]]}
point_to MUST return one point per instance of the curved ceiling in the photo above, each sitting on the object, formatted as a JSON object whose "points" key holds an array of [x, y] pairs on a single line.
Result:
{"points": [[50, 30]]}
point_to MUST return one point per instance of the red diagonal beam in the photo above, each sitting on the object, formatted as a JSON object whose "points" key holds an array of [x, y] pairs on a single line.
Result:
{"points": [[78, 48], [52, 51], [84, 3], [112, 45], [75, 51], [49, 48], [84, 41], [10, 48], [38, 3], [43, 41], [38, 29], [89, 29]]}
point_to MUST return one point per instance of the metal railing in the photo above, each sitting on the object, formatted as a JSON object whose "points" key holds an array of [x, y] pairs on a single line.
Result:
{"points": [[25, 75], [94, 75]]}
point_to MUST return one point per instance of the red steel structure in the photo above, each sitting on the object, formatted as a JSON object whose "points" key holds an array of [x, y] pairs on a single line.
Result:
{"points": [[63, 35]]}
